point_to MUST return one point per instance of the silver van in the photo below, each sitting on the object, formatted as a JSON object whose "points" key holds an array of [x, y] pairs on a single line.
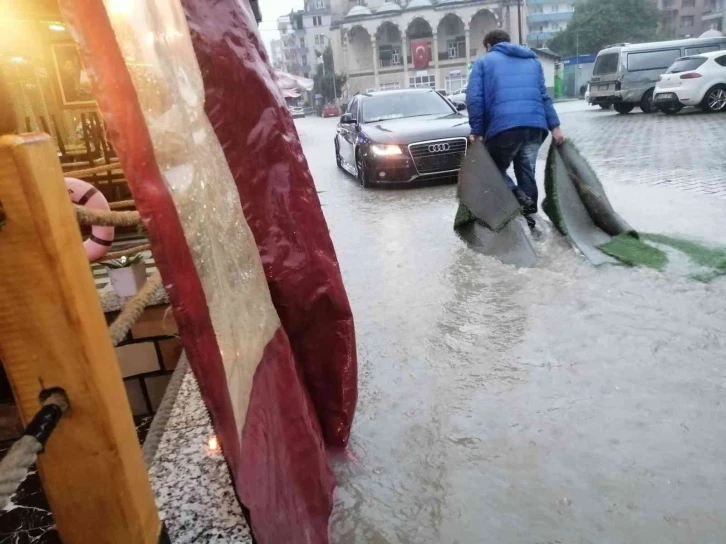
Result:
{"points": [[625, 75]]}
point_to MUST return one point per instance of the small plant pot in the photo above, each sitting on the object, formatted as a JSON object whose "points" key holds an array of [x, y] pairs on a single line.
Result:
{"points": [[128, 280]]}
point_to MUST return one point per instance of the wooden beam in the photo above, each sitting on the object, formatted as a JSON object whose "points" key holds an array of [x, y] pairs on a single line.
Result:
{"points": [[53, 334]]}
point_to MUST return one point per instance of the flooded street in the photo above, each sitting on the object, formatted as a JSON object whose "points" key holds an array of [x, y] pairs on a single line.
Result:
{"points": [[562, 403]]}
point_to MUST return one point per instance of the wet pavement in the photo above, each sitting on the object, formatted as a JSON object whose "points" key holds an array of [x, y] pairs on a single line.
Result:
{"points": [[559, 404]]}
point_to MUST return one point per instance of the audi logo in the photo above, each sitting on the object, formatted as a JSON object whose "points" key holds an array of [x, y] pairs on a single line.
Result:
{"points": [[439, 148]]}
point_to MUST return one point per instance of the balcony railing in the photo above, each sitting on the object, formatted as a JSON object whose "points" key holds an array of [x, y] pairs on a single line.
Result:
{"points": [[547, 17]]}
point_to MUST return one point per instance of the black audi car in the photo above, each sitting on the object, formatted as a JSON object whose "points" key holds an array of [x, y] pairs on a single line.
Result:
{"points": [[405, 136]]}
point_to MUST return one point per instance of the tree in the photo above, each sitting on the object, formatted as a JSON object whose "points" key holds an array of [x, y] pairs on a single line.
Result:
{"points": [[598, 23], [324, 75]]}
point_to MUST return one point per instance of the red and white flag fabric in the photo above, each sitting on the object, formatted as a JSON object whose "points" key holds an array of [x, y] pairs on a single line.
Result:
{"points": [[219, 178], [421, 54]]}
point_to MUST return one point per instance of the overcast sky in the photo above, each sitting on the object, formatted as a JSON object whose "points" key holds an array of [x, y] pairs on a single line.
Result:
{"points": [[271, 10]]}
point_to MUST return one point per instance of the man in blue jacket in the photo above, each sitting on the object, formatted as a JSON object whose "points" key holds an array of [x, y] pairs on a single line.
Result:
{"points": [[511, 111]]}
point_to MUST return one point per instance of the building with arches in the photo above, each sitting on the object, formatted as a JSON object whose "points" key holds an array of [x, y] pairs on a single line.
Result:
{"points": [[416, 43]]}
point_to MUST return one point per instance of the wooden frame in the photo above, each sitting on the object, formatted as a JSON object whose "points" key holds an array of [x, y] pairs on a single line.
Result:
{"points": [[74, 88], [53, 334]]}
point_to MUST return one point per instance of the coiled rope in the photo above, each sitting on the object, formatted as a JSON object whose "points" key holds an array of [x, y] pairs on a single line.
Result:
{"points": [[133, 309], [87, 218], [23, 454]]}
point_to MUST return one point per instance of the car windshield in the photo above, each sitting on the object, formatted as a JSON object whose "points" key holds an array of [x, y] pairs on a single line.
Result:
{"points": [[606, 64], [686, 64], [399, 105]]}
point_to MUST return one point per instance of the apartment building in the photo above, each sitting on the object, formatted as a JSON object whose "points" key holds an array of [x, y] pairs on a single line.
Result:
{"points": [[691, 18], [545, 18]]}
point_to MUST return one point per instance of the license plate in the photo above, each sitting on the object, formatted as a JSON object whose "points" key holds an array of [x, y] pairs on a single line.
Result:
{"points": [[664, 96], [603, 87]]}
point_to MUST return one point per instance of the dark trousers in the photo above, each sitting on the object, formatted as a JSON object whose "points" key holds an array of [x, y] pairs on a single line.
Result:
{"points": [[519, 146]]}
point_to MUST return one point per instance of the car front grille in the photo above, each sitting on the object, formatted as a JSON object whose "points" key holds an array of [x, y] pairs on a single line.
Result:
{"points": [[438, 155]]}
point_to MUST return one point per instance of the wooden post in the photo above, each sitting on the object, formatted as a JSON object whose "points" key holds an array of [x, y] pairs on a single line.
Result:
{"points": [[53, 334]]}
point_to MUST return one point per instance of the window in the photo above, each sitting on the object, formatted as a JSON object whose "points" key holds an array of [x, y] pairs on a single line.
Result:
{"points": [[319, 4], [721, 60], [702, 49], [304, 60], [555, 8], [302, 42], [422, 81], [353, 108], [688, 3], [606, 64], [390, 86], [667, 4], [389, 55], [455, 83], [687, 20], [687, 64], [652, 60], [536, 9], [401, 105], [456, 48]]}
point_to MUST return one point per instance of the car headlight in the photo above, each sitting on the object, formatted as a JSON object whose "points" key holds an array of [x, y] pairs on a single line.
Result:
{"points": [[386, 150]]}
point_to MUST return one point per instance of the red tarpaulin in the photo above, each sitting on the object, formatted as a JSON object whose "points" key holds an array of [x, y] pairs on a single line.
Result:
{"points": [[203, 223], [281, 205]]}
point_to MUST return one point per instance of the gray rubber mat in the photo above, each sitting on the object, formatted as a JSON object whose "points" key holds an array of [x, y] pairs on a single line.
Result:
{"points": [[483, 190], [572, 214], [510, 244], [592, 193]]}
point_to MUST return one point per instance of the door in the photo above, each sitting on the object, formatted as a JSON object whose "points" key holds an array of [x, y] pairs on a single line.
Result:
{"points": [[347, 133]]}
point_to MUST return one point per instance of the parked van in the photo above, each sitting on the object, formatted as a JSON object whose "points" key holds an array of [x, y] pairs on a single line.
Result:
{"points": [[625, 75]]}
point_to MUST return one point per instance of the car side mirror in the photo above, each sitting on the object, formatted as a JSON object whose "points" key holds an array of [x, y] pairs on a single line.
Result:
{"points": [[460, 106], [347, 119]]}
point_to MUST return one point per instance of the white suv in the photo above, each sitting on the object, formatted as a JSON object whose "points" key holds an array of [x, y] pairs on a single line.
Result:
{"points": [[696, 80]]}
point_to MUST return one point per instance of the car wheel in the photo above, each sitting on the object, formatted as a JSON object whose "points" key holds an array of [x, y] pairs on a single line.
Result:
{"points": [[361, 170], [624, 108], [646, 103], [715, 99], [671, 109], [606, 106]]}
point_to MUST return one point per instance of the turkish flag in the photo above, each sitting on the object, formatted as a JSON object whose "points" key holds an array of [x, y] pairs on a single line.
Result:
{"points": [[421, 54]]}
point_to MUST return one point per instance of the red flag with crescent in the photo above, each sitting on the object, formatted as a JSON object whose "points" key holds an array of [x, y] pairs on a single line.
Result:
{"points": [[420, 53]]}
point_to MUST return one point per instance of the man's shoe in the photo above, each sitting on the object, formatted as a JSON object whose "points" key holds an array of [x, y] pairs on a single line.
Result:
{"points": [[522, 198], [536, 233]]}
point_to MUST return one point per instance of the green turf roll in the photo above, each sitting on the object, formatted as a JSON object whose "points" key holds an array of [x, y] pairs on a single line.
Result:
{"points": [[633, 252]]}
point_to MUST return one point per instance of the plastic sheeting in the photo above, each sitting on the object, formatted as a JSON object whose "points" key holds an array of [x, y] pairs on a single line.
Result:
{"points": [[488, 218], [147, 83], [280, 203], [483, 190], [565, 208]]}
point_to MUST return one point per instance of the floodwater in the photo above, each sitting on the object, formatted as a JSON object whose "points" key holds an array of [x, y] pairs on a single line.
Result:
{"points": [[560, 404]]}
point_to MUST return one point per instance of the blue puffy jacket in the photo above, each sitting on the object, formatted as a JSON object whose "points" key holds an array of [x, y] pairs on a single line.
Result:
{"points": [[507, 90]]}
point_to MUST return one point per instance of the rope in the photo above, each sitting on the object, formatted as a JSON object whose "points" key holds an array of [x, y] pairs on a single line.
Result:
{"points": [[24, 453], [125, 252], [163, 412], [122, 204], [133, 309], [91, 171], [88, 217]]}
